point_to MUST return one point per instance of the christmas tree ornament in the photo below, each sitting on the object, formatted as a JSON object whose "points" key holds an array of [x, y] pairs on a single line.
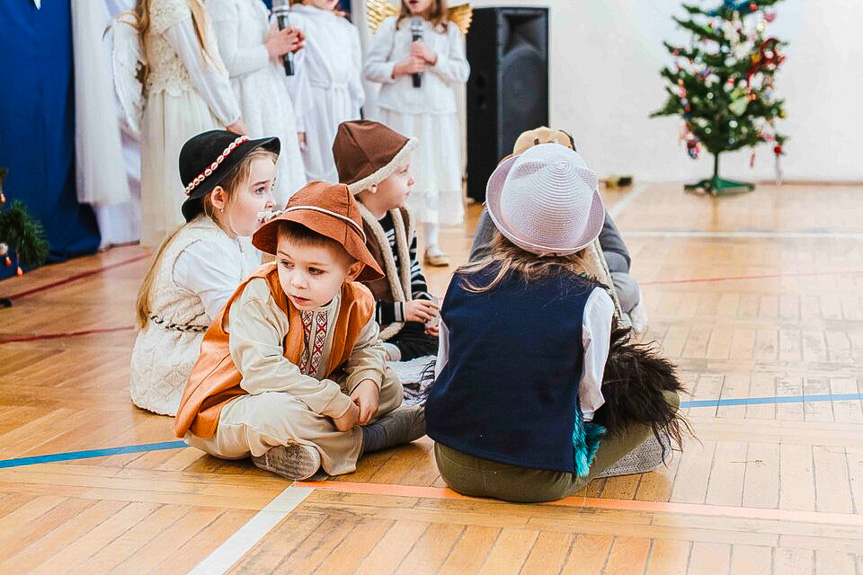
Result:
{"points": [[20, 234]]}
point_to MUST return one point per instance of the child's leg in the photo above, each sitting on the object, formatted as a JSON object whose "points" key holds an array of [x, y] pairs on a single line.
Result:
{"points": [[253, 424], [394, 423], [413, 342], [627, 290], [477, 477], [392, 393]]}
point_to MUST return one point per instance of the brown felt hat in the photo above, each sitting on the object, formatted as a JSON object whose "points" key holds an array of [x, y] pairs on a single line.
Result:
{"points": [[367, 153], [330, 210]]}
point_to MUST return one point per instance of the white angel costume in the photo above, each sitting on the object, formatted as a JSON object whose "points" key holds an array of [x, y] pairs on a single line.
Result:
{"points": [[330, 64], [187, 92], [428, 113], [260, 85]]}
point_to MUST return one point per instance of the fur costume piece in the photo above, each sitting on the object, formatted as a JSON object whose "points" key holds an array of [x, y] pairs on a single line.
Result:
{"points": [[634, 379]]}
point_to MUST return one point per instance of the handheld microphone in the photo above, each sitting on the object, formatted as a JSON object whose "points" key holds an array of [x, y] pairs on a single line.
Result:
{"points": [[282, 10], [417, 34]]}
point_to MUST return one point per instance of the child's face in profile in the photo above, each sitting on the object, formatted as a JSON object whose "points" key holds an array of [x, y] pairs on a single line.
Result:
{"points": [[323, 4], [251, 197], [419, 7], [312, 274], [394, 191]]}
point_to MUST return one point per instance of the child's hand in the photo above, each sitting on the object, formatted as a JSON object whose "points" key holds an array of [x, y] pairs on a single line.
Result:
{"points": [[420, 310], [280, 42], [239, 127], [347, 421], [300, 41], [433, 330], [366, 396], [409, 66], [421, 51]]}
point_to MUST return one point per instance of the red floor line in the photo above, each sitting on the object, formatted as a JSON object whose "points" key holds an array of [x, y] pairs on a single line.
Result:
{"points": [[45, 336], [752, 277], [77, 277]]}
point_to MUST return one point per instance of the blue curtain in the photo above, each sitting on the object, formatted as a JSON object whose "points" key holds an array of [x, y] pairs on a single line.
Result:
{"points": [[37, 124]]}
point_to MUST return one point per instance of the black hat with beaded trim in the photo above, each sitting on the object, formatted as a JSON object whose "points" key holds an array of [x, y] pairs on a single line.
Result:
{"points": [[207, 158]]}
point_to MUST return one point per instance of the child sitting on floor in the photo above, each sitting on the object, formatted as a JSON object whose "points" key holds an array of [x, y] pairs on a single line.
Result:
{"points": [[524, 344], [375, 163], [199, 266], [613, 247], [292, 372]]}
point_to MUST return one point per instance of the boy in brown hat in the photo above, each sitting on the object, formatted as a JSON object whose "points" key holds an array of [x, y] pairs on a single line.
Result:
{"points": [[292, 371], [374, 162]]}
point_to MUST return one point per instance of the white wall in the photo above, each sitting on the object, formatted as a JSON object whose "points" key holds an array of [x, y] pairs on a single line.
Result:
{"points": [[604, 67]]}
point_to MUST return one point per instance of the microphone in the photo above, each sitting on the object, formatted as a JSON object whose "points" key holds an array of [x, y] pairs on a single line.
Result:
{"points": [[417, 34], [282, 10]]}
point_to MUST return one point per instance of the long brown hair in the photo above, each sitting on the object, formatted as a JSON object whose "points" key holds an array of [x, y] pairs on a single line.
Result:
{"points": [[231, 183], [512, 259], [438, 15], [141, 17]]}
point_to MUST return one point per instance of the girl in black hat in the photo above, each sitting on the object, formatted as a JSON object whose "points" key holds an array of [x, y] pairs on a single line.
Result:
{"points": [[228, 182]]}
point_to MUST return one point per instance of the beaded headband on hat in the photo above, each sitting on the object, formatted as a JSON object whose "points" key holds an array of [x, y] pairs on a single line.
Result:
{"points": [[212, 167]]}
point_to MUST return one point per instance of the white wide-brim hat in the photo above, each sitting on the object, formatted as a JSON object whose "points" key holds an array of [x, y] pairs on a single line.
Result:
{"points": [[546, 201]]}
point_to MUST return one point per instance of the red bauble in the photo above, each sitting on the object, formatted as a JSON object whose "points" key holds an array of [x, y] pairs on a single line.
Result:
{"points": [[777, 150]]}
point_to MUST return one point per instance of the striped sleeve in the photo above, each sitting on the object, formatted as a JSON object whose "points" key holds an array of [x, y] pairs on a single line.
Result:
{"points": [[387, 312], [419, 286]]}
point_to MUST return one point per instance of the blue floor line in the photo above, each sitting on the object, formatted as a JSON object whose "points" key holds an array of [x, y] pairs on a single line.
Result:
{"points": [[91, 453], [72, 455], [768, 400]]}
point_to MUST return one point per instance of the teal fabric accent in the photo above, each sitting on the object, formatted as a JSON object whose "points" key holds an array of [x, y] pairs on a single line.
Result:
{"points": [[586, 438]]}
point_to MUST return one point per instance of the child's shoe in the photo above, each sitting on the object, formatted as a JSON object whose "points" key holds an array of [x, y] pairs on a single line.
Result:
{"points": [[646, 457], [435, 257], [402, 425], [295, 461]]}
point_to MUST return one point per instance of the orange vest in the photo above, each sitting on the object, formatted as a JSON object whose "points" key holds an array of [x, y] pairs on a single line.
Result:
{"points": [[215, 380]]}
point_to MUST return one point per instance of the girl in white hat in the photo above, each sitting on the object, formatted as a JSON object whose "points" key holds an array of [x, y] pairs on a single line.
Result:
{"points": [[524, 340]]}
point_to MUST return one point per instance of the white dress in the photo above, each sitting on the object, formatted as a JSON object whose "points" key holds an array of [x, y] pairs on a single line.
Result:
{"points": [[428, 113], [186, 95], [329, 70], [198, 272], [260, 85]]}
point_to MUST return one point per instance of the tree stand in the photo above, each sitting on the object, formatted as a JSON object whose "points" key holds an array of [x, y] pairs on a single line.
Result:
{"points": [[717, 186]]}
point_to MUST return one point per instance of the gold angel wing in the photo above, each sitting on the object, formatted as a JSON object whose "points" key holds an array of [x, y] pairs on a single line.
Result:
{"points": [[377, 11], [461, 16]]}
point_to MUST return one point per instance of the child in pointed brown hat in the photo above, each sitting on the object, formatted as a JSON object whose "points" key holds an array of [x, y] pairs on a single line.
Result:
{"points": [[292, 371], [375, 163]]}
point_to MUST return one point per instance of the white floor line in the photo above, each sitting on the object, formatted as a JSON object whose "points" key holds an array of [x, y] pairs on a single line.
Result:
{"points": [[734, 235], [226, 554], [618, 208]]}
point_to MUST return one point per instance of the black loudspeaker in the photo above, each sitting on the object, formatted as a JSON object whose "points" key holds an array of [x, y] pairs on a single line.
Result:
{"points": [[508, 88]]}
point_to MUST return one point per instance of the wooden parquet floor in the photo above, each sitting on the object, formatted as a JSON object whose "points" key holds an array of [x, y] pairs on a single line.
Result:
{"points": [[756, 297]]}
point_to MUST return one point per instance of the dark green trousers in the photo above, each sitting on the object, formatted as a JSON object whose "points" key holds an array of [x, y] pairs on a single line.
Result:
{"points": [[477, 477]]}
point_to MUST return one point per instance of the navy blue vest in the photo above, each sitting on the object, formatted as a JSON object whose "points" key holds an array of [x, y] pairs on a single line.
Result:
{"points": [[509, 391]]}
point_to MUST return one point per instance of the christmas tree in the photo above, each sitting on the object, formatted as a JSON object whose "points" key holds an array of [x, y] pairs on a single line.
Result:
{"points": [[722, 85], [20, 235]]}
